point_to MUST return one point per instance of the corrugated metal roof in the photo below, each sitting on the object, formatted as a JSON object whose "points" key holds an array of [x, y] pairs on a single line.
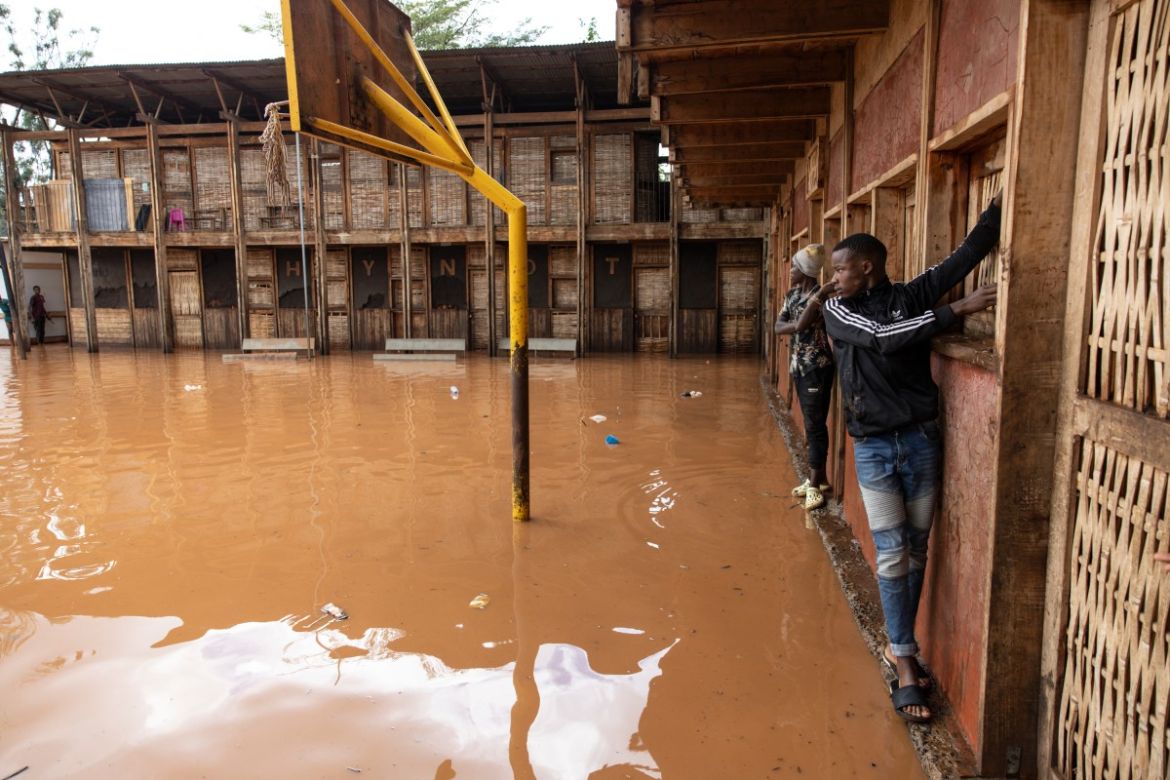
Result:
{"points": [[531, 78]]}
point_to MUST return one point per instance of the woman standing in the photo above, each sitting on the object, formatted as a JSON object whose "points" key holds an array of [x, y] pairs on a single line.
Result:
{"points": [[811, 366]]}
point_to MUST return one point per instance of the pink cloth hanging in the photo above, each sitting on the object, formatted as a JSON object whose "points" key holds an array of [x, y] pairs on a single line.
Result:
{"points": [[176, 219]]}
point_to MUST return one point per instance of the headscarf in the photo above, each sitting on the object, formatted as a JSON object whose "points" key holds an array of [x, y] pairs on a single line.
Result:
{"points": [[810, 260]]}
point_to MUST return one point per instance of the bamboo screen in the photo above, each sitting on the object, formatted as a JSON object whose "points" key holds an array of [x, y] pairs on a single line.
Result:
{"points": [[368, 190], [176, 180], [526, 175], [448, 198], [1128, 360], [332, 181], [101, 164], [213, 184], [136, 167], [613, 178], [1112, 713]]}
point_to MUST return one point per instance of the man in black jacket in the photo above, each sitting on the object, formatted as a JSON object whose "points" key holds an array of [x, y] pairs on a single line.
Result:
{"points": [[881, 333]]}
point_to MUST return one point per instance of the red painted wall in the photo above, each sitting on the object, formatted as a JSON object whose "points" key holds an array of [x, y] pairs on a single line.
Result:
{"points": [[977, 52], [951, 625], [886, 125], [799, 206], [836, 170]]}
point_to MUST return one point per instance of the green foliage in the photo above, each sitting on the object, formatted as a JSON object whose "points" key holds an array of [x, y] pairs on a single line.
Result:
{"points": [[589, 28], [269, 24], [44, 45], [462, 24]]}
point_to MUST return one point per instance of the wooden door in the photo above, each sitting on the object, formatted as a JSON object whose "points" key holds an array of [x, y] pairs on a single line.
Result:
{"points": [[539, 307], [739, 309], [651, 309], [1106, 661], [221, 324], [612, 321], [144, 284], [186, 308], [370, 289], [697, 298], [447, 318], [292, 292], [111, 297]]}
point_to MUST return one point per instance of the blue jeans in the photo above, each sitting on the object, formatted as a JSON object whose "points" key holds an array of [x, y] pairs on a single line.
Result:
{"points": [[899, 476]]}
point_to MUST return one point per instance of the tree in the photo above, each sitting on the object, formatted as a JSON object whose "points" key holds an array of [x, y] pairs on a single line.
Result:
{"points": [[589, 28], [436, 24], [45, 44]]}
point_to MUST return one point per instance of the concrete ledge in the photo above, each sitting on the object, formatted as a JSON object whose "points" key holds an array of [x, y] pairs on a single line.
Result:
{"points": [[444, 356], [232, 357], [940, 745]]}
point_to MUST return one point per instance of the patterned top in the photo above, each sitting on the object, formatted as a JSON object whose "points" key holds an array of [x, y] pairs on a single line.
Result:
{"points": [[809, 347]]}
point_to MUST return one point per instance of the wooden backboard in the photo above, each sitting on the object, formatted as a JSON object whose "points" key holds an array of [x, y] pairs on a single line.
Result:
{"points": [[325, 61]]}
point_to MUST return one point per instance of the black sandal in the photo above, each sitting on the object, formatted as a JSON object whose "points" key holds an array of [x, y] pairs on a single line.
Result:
{"points": [[908, 696], [919, 673]]}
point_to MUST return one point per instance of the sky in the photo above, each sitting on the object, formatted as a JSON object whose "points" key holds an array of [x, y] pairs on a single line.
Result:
{"points": [[135, 32]]}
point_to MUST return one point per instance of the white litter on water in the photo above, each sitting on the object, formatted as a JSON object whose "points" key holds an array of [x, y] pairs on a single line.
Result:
{"points": [[335, 612], [599, 418], [631, 631], [480, 601], [190, 388]]}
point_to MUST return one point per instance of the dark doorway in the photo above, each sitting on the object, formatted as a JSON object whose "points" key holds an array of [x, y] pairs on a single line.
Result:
{"points": [[448, 314], [612, 321], [292, 290], [698, 298], [370, 274], [221, 326]]}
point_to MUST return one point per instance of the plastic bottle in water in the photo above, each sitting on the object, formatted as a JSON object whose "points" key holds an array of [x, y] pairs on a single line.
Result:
{"points": [[454, 392]]}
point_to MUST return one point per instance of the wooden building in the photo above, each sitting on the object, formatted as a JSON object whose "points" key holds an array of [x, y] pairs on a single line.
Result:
{"points": [[1047, 618], [175, 241]]}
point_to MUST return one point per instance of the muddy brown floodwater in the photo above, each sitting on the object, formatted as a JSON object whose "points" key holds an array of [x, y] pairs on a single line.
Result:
{"points": [[172, 526]]}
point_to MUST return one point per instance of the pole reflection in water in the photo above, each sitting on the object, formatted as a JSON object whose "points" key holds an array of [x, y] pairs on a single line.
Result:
{"points": [[165, 553]]}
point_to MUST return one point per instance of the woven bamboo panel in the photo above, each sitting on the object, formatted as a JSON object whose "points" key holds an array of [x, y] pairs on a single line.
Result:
{"points": [[479, 330], [147, 333], [367, 191], [564, 293], [1129, 328], [526, 175], [136, 166], [476, 256], [1112, 713], [476, 203], [652, 290], [395, 261], [259, 263], [338, 323], [652, 253], [77, 327], [418, 262], [562, 260], [741, 215], [336, 263], [414, 196], [176, 180], [448, 198], [261, 325], [64, 166], [99, 164], [260, 294], [394, 199], [114, 327], [185, 295], [418, 296], [739, 289], [479, 290], [740, 252], [697, 216], [181, 259], [564, 204], [332, 197], [737, 333], [613, 178], [255, 196], [564, 324], [213, 186]]}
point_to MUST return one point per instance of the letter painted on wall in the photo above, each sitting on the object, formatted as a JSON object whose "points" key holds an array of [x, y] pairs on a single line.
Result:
{"points": [[370, 271], [290, 283], [448, 277], [612, 264]]}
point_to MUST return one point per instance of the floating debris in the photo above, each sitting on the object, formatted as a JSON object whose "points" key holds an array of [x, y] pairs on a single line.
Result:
{"points": [[480, 602], [192, 388], [335, 612], [612, 440], [599, 418], [692, 394], [455, 392]]}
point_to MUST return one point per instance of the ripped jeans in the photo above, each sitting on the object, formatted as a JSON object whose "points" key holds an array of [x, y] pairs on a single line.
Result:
{"points": [[899, 475]]}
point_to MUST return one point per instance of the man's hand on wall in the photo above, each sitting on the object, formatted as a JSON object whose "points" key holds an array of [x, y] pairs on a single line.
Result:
{"points": [[979, 300]]}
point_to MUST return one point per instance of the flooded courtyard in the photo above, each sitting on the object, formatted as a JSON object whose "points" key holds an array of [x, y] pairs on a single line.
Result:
{"points": [[172, 527]]}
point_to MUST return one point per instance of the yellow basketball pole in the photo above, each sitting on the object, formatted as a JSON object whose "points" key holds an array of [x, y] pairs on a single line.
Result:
{"points": [[444, 148]]}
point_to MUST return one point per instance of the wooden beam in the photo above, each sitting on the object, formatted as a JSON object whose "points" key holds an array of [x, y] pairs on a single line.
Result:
{"points": [[725, 74], [320, 280], [777, 167], [1039, 203], [725, 23], [14, 260], [714, 180], [164, 93], [746, 105], [730, 193], [555, 117], [787, 150], [158, 219], [240, 87], [235, 180], [76, 95], [735, 133], [84, 258]]}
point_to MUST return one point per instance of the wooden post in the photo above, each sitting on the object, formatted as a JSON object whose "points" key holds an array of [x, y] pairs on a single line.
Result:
{"points": [[489, 238], [14, 260], [674, 266], [158, 219], [404, 214], [838, 422], [1064, 494], [582, 208], [320, 285], [1040, 185], [85, 259], [233, 135], [922, 182]]}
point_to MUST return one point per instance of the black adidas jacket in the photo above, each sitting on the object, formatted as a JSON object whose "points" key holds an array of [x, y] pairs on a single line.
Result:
{"points": [[882, 339]]}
